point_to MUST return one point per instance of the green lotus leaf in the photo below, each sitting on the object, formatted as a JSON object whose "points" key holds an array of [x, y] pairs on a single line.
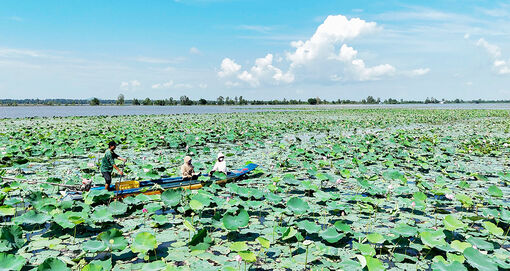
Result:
{"points": [[238, 246], [331, 235], [11, 237], [297, 205], [308, 226], [493, 229], [117, 208], [365, 249], [454, 266], [459, 246], [155, 266], [263, 242], [433, 239], [94, 267], [171, 197], [289, 233], [374, 264], [480, 243], [53, 264], [32, 218], [196, 205], [495, 191], [465, 200], [405, 230], [451, 223], [341, 226], [234, 222], [144, 242], [478, 260], [7, 211], [248, 256], [10, 262], [101, 214], [94, 246], [113, 239], [375, 238]]}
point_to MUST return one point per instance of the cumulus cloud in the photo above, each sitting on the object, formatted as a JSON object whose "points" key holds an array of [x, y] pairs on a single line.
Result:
{"points": [[228, 67], [325, 56], [418, 72], [500, 65], [163, 85], [130, 85], [332, 32]]}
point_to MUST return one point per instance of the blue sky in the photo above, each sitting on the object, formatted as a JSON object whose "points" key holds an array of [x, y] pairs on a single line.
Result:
{"points": [[255, 49]]}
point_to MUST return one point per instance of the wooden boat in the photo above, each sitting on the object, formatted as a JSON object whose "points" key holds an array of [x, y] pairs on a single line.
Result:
{"points": [[153, 187]]}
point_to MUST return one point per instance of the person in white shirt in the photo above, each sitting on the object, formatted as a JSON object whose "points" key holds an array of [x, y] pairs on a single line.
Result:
{"points": [[220, 165]]}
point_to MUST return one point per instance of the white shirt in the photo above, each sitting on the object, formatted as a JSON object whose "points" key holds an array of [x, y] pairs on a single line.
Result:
{"points": [[220, 166]]}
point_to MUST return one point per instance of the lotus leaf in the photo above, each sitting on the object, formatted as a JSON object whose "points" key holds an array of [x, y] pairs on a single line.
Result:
{"points": [[451, 223], [113, 239], [144, 242], [53, 264], [433, 239], [10, 262], [493, 229], [331, 235], [297, 205], [478, 260], [234, 222]]}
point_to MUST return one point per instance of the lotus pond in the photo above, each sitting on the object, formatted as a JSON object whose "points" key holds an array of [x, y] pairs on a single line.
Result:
{"points": [[371, 189]]}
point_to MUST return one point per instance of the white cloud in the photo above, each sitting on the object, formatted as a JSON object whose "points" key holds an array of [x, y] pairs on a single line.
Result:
{"points": [[194, 51], [334, 30], [418, 72], [163, 85], [501, 66], [183, 86], [323, 57], [228, 68], [202, 85], [130, 85]]}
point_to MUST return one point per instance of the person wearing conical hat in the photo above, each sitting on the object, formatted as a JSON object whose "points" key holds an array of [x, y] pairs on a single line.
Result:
{"points": [[220, 165], [187, 169]]}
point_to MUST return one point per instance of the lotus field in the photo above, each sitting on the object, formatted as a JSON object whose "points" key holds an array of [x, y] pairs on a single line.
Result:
{"points": [[343, 189]]}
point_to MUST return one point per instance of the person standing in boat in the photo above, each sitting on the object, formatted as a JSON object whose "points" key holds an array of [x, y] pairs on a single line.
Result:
{"points": [[188, 170], [108, 164], [220, 165]]}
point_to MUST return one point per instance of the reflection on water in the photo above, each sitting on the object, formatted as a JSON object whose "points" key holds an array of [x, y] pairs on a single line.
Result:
{"points": [[85, 110]]}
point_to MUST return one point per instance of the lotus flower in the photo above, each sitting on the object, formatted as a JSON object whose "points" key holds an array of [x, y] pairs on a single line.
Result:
{"points": [[90, 164], [145, 170], [413, 204], [238, 258], [162, 137], [390, 187], [450, 196], [144, 210], [228, 199]]}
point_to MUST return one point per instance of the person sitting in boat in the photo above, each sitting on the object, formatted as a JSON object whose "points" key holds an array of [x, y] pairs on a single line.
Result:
{"points": [[220, 165], [108, 164], [187, 169]]}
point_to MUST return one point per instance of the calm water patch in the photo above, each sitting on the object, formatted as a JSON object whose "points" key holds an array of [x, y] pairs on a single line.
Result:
{"points": [[85, 110]]}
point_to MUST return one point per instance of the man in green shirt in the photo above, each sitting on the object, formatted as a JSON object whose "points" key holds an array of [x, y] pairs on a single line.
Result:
{"points": [[108, 164]]}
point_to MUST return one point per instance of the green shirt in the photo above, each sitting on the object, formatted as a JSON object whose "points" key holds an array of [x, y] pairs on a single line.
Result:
{"points": [[108, 162]]}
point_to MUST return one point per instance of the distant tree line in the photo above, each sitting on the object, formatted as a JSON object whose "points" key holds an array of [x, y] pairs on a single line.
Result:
{"points": [[237, 100]]}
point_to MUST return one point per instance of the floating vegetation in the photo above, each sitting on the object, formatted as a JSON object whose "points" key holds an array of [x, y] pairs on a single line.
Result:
{"points": [[373, 189]]}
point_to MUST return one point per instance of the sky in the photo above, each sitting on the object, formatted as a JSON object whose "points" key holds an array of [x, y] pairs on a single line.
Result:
{"points": [[257, 49]]}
